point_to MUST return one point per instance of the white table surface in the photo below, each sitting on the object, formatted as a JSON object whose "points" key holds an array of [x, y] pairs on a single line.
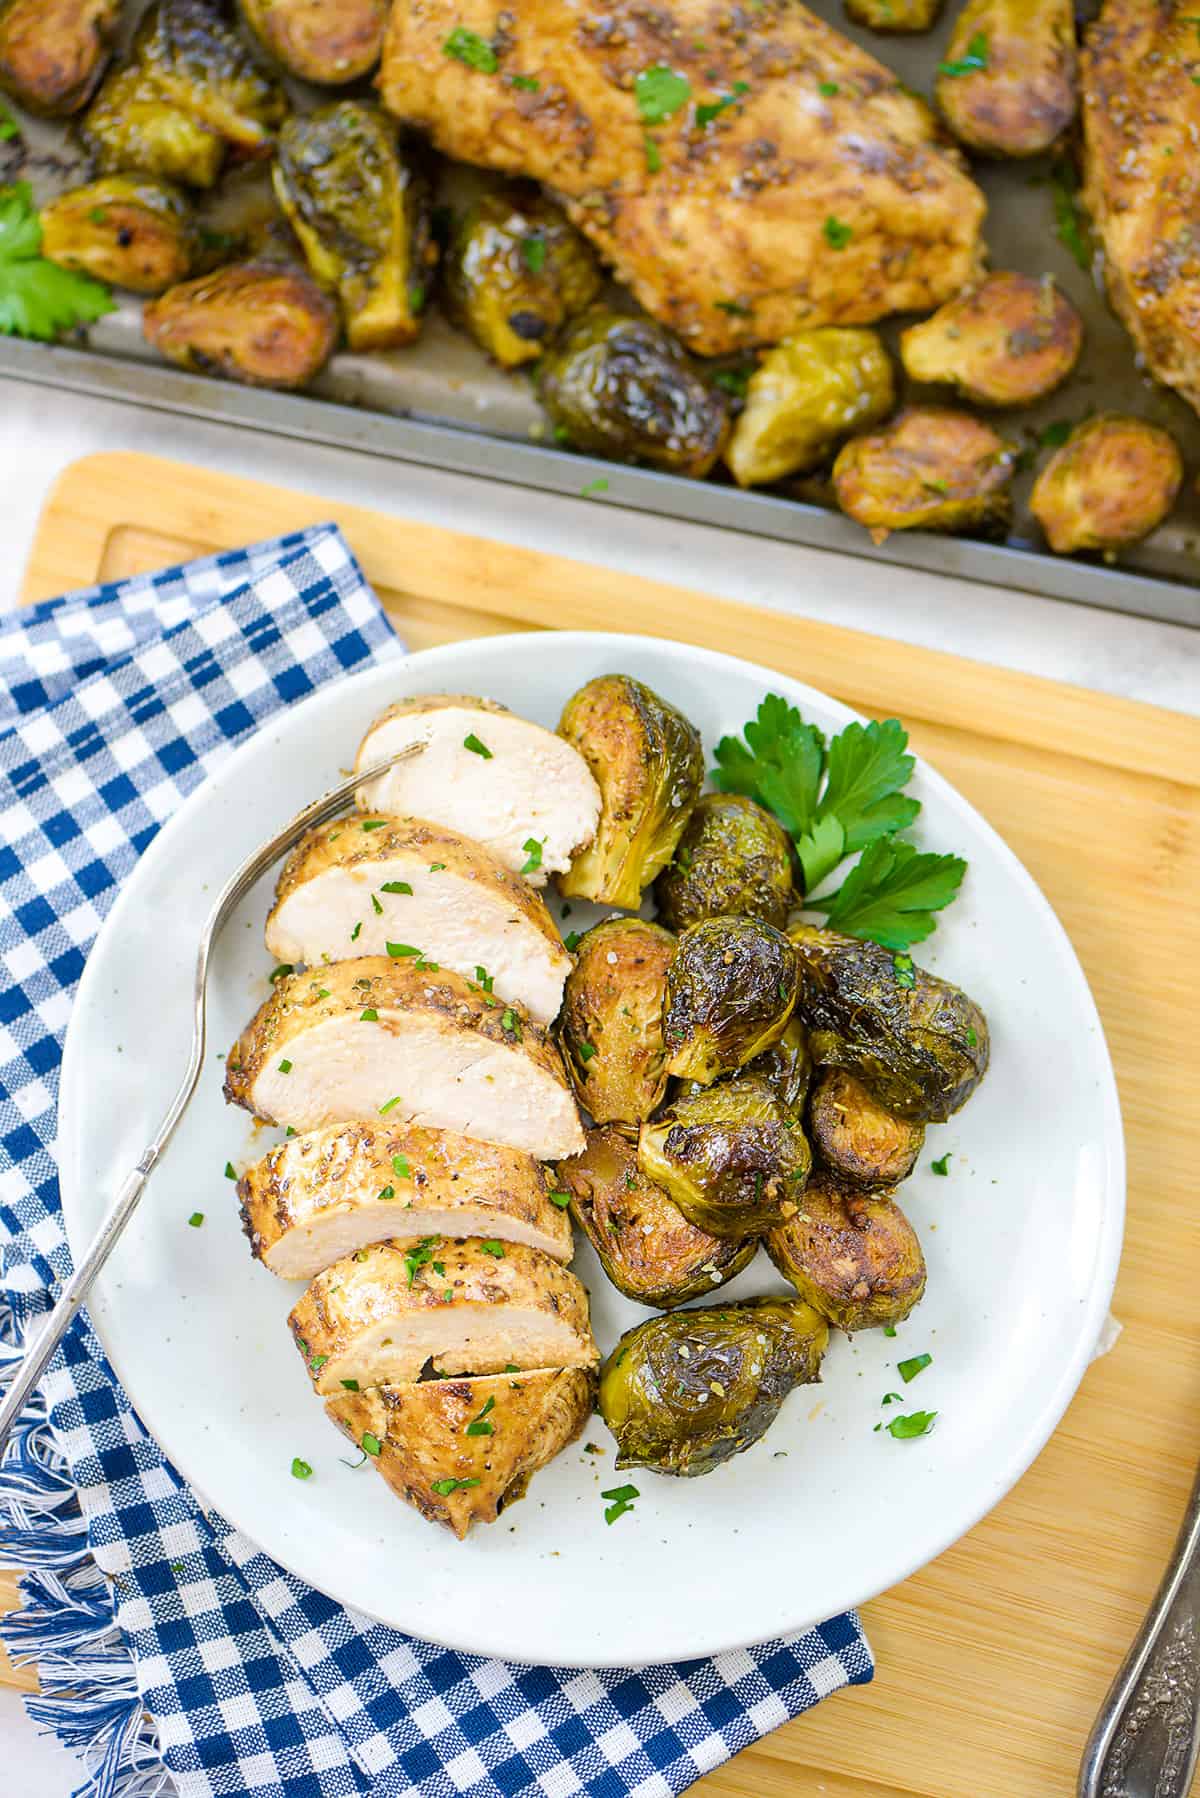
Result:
{"points": [[42, 430]]}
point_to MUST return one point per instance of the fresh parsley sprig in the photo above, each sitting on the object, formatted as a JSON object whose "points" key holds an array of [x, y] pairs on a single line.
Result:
{"points": [[37, 298]]}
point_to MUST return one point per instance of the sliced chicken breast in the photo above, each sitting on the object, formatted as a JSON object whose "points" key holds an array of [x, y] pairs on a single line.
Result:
{"points": [[462, 1450], [495, 777], [320, 1197], [378, 1317], [352, 886], [401, 1039]]}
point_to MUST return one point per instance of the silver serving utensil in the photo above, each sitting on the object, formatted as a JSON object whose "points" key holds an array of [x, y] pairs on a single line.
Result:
{"points": [[1146, 1739], [35, 1360]]}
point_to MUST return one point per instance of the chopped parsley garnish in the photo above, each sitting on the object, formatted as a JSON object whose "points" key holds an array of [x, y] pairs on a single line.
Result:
{"points": [[971, 1036], [533, 850], [479, 1426], [388, 1105], [285, 967], [370, 1445], [837, 234], [892, 1398], [401, 1168], [375, 905], [942, 1164], [599, 485], [436, 867], [659, 93], [889, 1329], [468, 47], [230, 1171], [398, 951], [396, 886], [653, 154], [908, 1370], [317, 1362], [354, 934], [828, 89], [586, 1051], [416, 296], [285, 1066], [1069, 225], [445, 1487], [300, 1469], [493, 1247], [975, 59], [533, 252], [733, 380], [903, 969], [713, 109], [622, 1497], [368, 1015], [387, 1192], [37, 298], [571, 940], [487, 981], [374, 823], [196, 1219], [512, 1023], [561, 1199], [10, 129], [917, 1423], [527, 83], [424, 1252], [734, 308], [350, 1385], [1056, 434], [471, 742], [322, 992]]}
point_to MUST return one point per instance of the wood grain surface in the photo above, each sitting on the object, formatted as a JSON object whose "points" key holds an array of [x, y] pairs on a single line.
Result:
{"points": [[993, 1660]]}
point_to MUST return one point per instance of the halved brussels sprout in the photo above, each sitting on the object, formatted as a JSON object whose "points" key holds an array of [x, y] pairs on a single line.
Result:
{"points": [[852, 1255], [195, 59], [646, 1246], [648, 762], [53, 52], [130, 125], [806, 394], [516, 270], [683, 1393], [894, 15], [319, 42], [362, 217], [787, 1066], [732, 857], [263, 323], [1009, 341], [1113, 482], [930, 469], [128, 230], [730, 991], [612, 1019], [918, 1044], [623, 387], [733, 1157], [1007, 85], [856, 1137]]}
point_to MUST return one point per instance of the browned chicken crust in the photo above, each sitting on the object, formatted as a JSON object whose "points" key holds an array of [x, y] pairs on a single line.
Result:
{"points": [[790, 205]]}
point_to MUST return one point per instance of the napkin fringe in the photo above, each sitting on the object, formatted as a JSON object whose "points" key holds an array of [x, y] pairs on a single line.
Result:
{"points": [[67, 1626]]}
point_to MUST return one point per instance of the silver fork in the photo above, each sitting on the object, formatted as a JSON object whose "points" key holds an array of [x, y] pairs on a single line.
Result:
{"points": [[35, 1360]]}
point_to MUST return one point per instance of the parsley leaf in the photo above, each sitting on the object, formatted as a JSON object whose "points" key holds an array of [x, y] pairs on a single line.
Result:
{"points": [[533, 850], [1069, 225], [659, 93], [445, 1487], [837, 234], [8, 126], [781, 768], [891, 896], [467, 46], [533, 252], [37, 298], [419, 1257], [867, 767], [917, 1423], [975, 58], [908, 1370], [714, 108]]}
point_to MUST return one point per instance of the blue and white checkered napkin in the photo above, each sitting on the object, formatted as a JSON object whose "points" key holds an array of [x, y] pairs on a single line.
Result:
{"points": [[114, 705]]}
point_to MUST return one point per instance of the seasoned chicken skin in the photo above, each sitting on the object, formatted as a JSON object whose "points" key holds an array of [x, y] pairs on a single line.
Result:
{"points": [[404, 880], [380, 1315], [430, 1443], [1141, 119], [815, 193], [398, 1038], [324, 1195]]}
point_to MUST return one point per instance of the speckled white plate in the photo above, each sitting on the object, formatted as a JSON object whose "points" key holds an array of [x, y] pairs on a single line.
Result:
{"points": [[1022, 1241]]}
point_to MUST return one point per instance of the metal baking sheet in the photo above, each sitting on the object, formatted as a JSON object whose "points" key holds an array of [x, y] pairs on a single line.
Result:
{"points": [[442, 403]]}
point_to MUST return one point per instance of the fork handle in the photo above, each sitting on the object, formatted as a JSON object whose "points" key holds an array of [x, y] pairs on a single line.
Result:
{"points": [[37, 1357], [1146, 1740]]}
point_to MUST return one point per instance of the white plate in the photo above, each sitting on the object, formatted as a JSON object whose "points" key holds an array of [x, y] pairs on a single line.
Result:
{"points": [[1022, 1242]]}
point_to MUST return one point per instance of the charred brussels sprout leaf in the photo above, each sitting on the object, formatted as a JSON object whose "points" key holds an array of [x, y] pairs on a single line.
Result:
{"points": [[516, 271], [919, 1046], [318, 42], [852, 1255], [361, 216], [732, 857], [624, 388], [1007, 86], [787, 1066], [612, 1019], [128, 230], [53, 52], [1009, 341], [646, 1246], [852, 1134], [1111, 484], [684, 1393], [930, 469], [648, 762], [894, 15], [733, 1157], [807, 393], [262, 323], [197, 61], [730, 991]]}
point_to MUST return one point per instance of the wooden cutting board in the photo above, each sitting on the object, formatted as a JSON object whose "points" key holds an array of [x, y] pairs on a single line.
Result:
{"points": [[993, 1661]]}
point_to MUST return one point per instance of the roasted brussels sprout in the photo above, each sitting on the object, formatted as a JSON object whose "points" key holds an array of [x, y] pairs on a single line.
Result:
{"points": [[361, 216], [733, 1157], [930, 469], [319, 41], [128, 230], [1009, 341], [53, 52], [130, 125], [787, 1066], [612, 1019], [1008, 83], [259, 322], [648, 762], [623, 387], [516, 270], [646, 1246], [732, 857], [197, 61], [1113, 482], [853, 1255], [894, 15], [731, 987], [806, 394], [683, 1393], [854, 1136], [918, 1044]]}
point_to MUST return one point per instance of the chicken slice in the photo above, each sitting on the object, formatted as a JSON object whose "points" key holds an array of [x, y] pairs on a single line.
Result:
{"points": [[404, 1040], [515, 787], [377, 1318], [347, 889], [463, 1450], [319, 1197]]}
